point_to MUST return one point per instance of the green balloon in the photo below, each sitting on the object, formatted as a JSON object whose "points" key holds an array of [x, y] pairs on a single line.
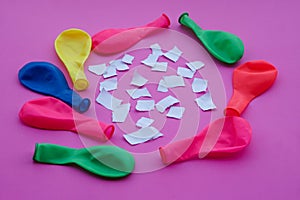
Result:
{"points": [[105, 161], [224, 46]]}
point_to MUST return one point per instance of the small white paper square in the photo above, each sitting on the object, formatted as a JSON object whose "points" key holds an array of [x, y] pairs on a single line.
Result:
{"points": [[144, 122], [145, 105], [176, 112], [138, 80], [97, 69], [156, 49], [142, 135], [162, 87], [205, 102], [109, 84], [184, 72], [194, 66], [199, 85], [107, 100], [110, 72], [174, 54], [166, 102], [127, 59], [160, 67], [174, 81], [120, 113], [150, 60], [137, 93]]}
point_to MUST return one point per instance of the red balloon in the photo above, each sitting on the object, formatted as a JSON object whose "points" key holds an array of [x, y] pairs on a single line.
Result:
{"points": [[250, 80], [233, 135], [53, 114]]}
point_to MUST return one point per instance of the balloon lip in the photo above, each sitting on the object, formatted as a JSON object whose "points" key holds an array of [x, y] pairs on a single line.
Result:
{"points": [[167, 18], [182, 15], [109, 131], [163, 155], [84, 105], [81, 84], [35, 151]]}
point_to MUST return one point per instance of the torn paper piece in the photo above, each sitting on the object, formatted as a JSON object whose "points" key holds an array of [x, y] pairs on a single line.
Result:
{"points": [[142, 135], [109, 84], [138, 80], [174, 81], [119, 65], [163, 104], [144, 122], [176, 112], [150, 60], [110, 72], [156, 49], [145, 105], [199, 85], [205, 102], [173, 54], [160, 67], [107, 100], [194, 66], [127, 59], [120, 113], [137, 93], [184, 72], [162, 87], [97, 69]]}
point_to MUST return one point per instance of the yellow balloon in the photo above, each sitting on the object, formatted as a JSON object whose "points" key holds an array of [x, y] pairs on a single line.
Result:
{"points": [[73, 47]]}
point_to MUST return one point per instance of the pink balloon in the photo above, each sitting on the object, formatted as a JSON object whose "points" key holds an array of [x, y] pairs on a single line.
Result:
{"points": [[112, 41], [234, 135], [53, 114]]}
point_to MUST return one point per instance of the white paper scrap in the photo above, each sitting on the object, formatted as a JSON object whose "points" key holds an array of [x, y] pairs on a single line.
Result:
{"points": [[97, 69], [150, 60], [195, 65], [145, 105], [107, 100], [142, 135], [138, 80], [109, 84], [120, 113], [205, 102], [184, 72], [137, 93], [173, 54], [144, 122], [160, 67], [174, 81], [156, 49], [162, 86], [110, 72], [199, 85], [119, 65], [176, 112], [166, 102], [127, 59]]}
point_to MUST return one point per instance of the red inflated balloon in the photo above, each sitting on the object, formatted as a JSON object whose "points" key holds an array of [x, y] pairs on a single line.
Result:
{"points": [[233, 133], [250, 80], [53, 114], [112, 41]]}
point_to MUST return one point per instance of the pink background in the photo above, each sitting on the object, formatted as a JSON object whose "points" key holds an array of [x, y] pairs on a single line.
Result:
{"points": [[267, 169]]}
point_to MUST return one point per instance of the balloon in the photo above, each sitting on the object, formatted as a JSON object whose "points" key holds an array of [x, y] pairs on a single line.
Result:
{"points": [[105, 161], [224, 46], [53, 114], [47, 79], [250, 80], [234, 134], [73, 47], [112, 41]]}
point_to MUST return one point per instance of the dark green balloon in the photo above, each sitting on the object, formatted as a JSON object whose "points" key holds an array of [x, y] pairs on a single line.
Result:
{"points": [[224, 46], [106, 161]]}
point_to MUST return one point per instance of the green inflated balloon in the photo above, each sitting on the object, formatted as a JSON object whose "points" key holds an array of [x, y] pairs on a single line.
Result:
{"points": [[224, 46], [106, 161]]}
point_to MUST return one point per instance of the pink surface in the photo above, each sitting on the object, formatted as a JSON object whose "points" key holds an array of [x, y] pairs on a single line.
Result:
{"points": [[267, 169]]}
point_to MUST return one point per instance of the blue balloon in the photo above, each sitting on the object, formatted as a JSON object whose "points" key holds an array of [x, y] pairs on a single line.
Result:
{"points": [[47, 79]]}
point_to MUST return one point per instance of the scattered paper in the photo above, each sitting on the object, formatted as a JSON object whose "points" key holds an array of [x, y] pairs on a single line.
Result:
{"points": [[184, 72], [199, 85], [174, 81], [145, 105], [176, 112], [110, 72], [127, 59], [160, 66], [120, 113], [138, 80], [107, 100], [173, 54], [142, 135], [109, 84], [144, 122], [150, 60], [194, 66], [163, 104], [205, 102], [156, 49], [162, 86], [119, 65], [97, 69], [137, 93]]}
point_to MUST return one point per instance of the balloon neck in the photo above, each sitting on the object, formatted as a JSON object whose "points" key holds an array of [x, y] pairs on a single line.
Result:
{"points": [[162, 22], [81, 84], [185, 20], [237, 104]]}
